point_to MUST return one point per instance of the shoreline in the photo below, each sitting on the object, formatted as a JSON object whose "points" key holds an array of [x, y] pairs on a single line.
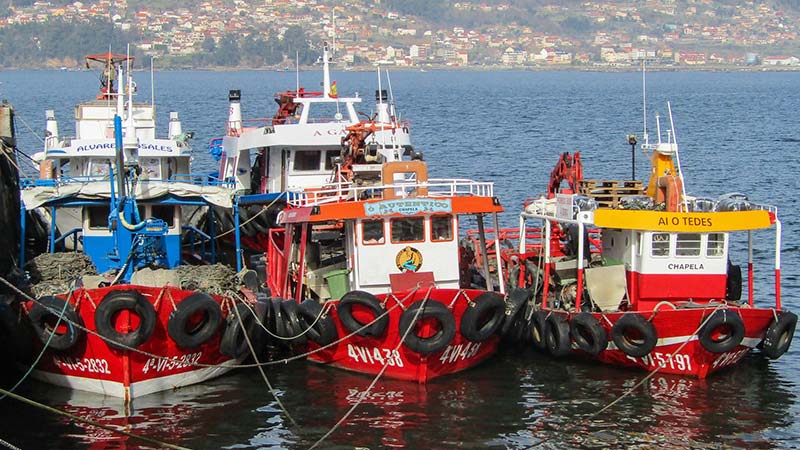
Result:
{"points": [[446, 68]]}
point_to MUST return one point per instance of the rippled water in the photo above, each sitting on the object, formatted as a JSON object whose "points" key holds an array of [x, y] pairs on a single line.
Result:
{"points": [[737, 132]]}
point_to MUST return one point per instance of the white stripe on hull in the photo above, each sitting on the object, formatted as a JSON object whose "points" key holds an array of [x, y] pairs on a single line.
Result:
{"points": [[747, 341], [139, 388]]}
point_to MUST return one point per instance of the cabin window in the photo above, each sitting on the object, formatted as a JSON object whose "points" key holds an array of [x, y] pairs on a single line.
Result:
{"points": [[324, 112], [165, 213], [411, 229], [660, 244], [688, 244], [306, 160], [98, 167], [441, 228], [98, 217], [330, 155], [716, 244], [151, 168], [372, 232]]}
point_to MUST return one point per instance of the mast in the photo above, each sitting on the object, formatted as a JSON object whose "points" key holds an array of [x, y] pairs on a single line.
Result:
{"points": [[326, 82]]}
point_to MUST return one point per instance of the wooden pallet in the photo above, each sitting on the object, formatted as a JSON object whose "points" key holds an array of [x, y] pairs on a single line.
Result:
{"points": [[607, 193]]}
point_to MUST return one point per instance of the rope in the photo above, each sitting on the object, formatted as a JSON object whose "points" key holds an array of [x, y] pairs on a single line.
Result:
{"points": [[18, 116], [643, 380], [263, 208], [364, 394], [44, 348], [261, 369], [7, 445], [160, 444]]}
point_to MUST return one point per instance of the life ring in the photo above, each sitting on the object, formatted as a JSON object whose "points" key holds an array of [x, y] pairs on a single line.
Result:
{"points": [[234, 343], [200, 312], [634, 335], [779, 335], [115, 302], [432, 310], [483, 317], [516, 300], [538, 321], [723, 331], [43, 316], [289, 310], [588, 334], [365, 299], [556, 335], [321, 329]]}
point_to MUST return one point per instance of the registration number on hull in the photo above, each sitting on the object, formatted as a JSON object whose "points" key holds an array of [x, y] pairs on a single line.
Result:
{"points": [[375, 355], [676, 361]]}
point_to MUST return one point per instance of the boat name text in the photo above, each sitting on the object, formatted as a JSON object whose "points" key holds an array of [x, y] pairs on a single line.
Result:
{"points": [[407, 207], [685, 266], [112, 146], [687, 221]]}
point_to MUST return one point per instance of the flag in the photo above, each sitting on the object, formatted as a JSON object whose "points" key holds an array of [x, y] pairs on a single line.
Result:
{"points": [[334, 93]]}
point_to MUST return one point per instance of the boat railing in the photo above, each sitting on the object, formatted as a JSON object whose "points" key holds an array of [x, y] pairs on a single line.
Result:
{"points": [[200, 245], [200, 179], [344, 191], [76, 234]]}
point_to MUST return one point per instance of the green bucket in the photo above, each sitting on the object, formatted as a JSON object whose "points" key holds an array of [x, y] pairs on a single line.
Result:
{"points": [[338, 282]]}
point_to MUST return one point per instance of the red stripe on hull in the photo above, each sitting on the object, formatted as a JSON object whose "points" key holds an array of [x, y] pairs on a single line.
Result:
{"points": [[92, 359], [369, 354]]}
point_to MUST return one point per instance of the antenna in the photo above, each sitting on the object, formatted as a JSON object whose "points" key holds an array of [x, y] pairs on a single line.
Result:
{"points": [[391, 96], [644, 104], [152, 86], [677, 157], [333, 20], [297, 71]]}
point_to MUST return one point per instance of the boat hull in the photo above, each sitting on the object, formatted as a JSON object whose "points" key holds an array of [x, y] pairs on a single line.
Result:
{"points": [[678, 349], [158, 364], [369, 355]]}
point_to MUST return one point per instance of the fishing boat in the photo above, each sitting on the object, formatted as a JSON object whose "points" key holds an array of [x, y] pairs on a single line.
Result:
{"points": [[646, 276], [268, 158], [368, 269], [133, 299]]}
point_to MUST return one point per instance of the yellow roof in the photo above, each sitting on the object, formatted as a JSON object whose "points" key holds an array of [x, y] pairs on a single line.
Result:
{"points": [[698, 222]]}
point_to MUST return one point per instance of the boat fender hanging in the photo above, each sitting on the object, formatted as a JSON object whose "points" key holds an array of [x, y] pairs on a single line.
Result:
{"points": [[779, 335], [279, 323], [43, 316], [364, 299], [234, 343], [115, 302], [723, 331], [537, 329], [634, 335], [195, 320], [297, 335], [733, 282], [556, 335], [483, 317], [516, 300], [446, 327], [323, 331], [588, 334]]}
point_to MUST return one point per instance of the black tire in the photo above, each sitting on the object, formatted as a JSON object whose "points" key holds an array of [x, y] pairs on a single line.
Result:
{"points": [[779, 335], [516, 300], [479, 322], [537, 329], [324, 330], [345, 311], [289, 310], [722, 332], [634, 335], [112, 304], [588, 334], [199, 303], [432, 310], [44, 314], [234, 343], [556, 335], [278, 321], [733, 283]]}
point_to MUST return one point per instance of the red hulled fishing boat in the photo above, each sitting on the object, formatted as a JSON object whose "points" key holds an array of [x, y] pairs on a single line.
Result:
{"points": [[645, 276]]}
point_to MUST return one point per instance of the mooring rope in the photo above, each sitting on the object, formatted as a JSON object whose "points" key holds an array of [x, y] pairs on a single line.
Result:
{"points": [[643, 380], [365, 393], [41, 353], [36, 404], [8, 445], [260, 368]]}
